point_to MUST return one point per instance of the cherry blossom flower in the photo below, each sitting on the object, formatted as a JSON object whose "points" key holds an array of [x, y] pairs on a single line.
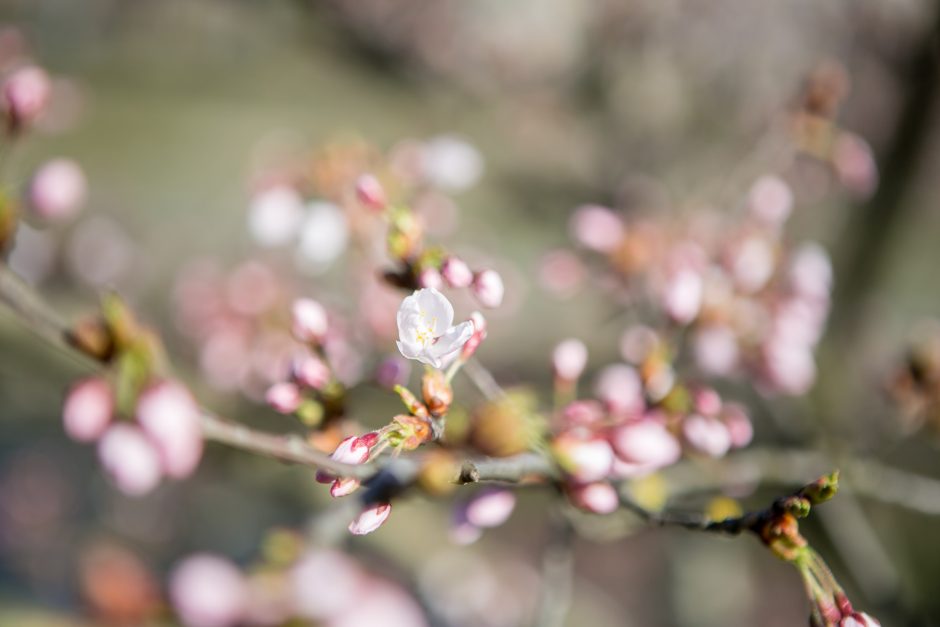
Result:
{"points": [[597, 228], [323, 236], [490, 507], [771, 200], [586, 459], [706, 434], [426, 331], [451, 163], [646, 443]]}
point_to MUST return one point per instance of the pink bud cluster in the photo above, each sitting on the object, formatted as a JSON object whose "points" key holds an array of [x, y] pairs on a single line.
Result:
{"points": [[488, 508], [357, 450], [641, 420], [751, 304], [166, 440]]}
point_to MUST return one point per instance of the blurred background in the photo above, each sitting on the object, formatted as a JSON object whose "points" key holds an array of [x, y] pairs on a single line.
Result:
{"points": [[655, 107]]}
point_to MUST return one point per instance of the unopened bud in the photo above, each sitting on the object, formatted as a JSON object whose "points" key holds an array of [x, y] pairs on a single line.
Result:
{"points": [[569, 359], [309, 320], [410, 432], [456, 272], [88, 409], [488, 288], [57, 190], [25, 94], [370, 192], [596, 498], [430, 277], [370, 519], [822, 489], [283, 397], [311, 372]]}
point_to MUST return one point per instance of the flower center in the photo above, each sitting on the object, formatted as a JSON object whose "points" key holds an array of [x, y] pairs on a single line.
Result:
{"points": [[424, 330]]}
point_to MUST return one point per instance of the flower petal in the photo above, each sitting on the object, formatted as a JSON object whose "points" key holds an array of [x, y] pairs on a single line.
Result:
{"points": [[437, 310]]}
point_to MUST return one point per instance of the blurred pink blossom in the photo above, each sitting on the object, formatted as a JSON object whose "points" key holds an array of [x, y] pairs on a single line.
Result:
{"points": [[596, 228], [57, 190], [208, 591], [284, 397], [569, 359], [132, 462], [490, 507], [597, 498], [170, 417], [646, 443], [88, 409], [309, 320], [771, 200], [707, 434], [620, 388], [488, 288], [25, 94], [456, 272]]}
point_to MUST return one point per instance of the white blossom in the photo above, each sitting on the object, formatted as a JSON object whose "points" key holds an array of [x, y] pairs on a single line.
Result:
{"points": [[426, 331]]}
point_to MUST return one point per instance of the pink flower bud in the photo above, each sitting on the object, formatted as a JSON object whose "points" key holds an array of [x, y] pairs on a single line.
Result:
{"points": [[751, 264], [88, 408], [488, 288], [311, 372], [456, 272], [681, 297], [738, 423], [789, 367], [586, 460], [859, 619], [352, 450], [490, 507], [810, 274], [283, 397], [479, 334], [597, 498], [25, 95], [706, 434], [170, 417], [715, 348], [57, 190], [706, 401], [620, 388], [569, 359], [208, 591], [583, 413], [129, 458], [309, 320], [370, 192], [370, 519], [596, 228], [647, 443], [771, 200], [430, 277]]}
